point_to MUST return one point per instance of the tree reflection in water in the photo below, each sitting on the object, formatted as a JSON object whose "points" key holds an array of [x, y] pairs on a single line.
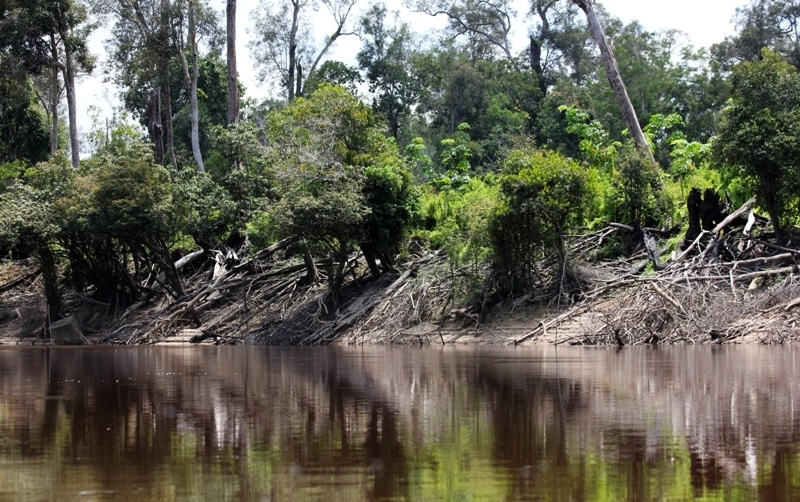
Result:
{"points": [[399, 423]]}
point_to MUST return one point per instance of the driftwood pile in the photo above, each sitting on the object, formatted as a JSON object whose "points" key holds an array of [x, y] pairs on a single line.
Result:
{"points": [[270, 299], [22, 303], [396, 308], [727, 283], [725, 286], [220, 303]]}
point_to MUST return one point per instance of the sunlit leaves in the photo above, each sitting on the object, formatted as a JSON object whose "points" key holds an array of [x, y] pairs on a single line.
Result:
{"points": [[760, 133]]}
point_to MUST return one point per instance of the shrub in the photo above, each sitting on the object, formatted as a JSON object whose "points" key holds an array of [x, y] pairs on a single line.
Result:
{"points": [[541, 195]]}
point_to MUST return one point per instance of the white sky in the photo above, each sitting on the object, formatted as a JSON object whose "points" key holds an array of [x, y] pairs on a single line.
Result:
{"points": [[704, 21]]}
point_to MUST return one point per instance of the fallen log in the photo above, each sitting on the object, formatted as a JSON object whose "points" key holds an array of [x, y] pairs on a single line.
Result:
{"points": [[266, 252], [563, 317], [347, 318], [16, 282]]}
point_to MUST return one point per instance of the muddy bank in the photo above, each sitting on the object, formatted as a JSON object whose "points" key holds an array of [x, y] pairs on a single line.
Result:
{"points": [[699, 296]]}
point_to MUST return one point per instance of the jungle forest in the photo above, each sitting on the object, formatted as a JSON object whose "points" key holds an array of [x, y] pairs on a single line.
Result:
{"points": [[605, 185]]}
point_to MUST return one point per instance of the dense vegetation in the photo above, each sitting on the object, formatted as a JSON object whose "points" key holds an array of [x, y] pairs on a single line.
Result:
{"points": [[456, 141]]}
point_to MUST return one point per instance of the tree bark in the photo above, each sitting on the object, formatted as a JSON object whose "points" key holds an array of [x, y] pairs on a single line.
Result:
{"points": [[536, 63], [170, 133], [69, 83], [198, 157], [191, 84], [614, 78], [154, 125], [290, 84], [541, 8], [693, 203], [166, 75], [55, 93], [233, 79]]}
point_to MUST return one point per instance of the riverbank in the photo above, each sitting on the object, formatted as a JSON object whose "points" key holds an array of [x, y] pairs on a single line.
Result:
{"points": [[268, 299]]}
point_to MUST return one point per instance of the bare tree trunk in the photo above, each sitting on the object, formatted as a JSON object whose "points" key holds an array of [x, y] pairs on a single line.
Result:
{"points": [[170, 134], [298, 86], [55, 93], [290, 84], [69, 83], [164, 38], [198, 157], [233, 79], [614, 78], [191, 84], [154, 125], [540, 7]]}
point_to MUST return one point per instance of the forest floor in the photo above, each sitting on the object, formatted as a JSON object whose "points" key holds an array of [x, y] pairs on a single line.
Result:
{"points": [[725, 288]]}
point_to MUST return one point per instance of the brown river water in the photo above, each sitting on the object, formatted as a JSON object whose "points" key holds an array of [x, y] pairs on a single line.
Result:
{"points": [[375, 423]]}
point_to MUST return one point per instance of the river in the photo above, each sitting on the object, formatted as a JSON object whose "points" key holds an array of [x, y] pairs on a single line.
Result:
{"points": [[378, 423]]}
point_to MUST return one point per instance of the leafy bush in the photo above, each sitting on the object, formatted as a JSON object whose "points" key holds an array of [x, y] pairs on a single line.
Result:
{"points": [[344, 184], [632, 199], [542, 195], [759, 135], [205, 210], [458, 222]]}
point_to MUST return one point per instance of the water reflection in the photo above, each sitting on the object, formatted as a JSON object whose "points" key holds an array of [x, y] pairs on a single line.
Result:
{"points": [[398, 424]]}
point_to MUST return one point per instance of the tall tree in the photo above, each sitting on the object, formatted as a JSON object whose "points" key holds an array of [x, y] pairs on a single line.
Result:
{"points": [[614, 78], [149, 41], [233, 77], [284, 41], [61, 45], [559, 43], [760, 134], [538, 37], [386, 57], [26, 30], [485, 23], [762, 23], [190, 45], [140, 52], [49, 93]]}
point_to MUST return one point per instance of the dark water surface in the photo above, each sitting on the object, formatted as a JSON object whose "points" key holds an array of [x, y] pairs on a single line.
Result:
{"points": [[251, 423]]}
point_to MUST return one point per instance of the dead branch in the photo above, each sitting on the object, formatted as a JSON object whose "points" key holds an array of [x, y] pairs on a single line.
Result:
{"points": [[731, 217]]}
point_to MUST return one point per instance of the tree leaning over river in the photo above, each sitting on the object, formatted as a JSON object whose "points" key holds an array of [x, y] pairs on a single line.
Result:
{"points": [[614, 78]]}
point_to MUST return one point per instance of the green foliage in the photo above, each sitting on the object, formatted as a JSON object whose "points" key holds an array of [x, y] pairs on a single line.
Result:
{"points": [[25, 218], [206, 210], [239, 146], [109, 220], [687, 157], [387, 59], [344, 182], [212, 93], [335, 73], [759, 135], [542, 194], [262, 230], [595, 144], [122, 139], [130, 199], [629, 182], [632, 197], [23, 133], [454, 158], [458, 222], [762, 23], [421, 163], [9, 172], [245, 169]]}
